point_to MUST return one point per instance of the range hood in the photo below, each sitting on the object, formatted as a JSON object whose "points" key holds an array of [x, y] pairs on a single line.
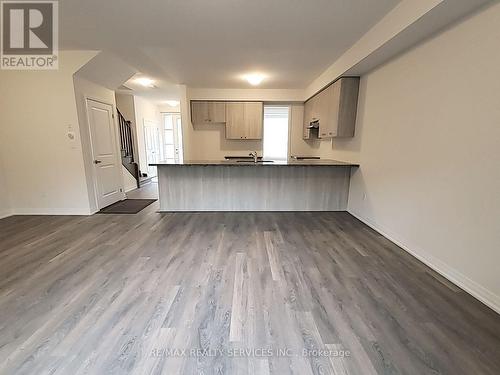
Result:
{"points": [[313, 125]]}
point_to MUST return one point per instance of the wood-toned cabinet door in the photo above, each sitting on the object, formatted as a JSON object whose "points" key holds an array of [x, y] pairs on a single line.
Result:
{"points": [[254, 117], [307, 119], [316, 102], [330, 99], [244, 120], [208, 112], [217, 112], [335, 107], [235, 120], [199, 113], [348, 107]]}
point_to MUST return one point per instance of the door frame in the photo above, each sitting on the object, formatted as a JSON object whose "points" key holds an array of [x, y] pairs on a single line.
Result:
{"points": [[289, 140], [159, 153], [91, 151], [290, 124], [177, 141]]}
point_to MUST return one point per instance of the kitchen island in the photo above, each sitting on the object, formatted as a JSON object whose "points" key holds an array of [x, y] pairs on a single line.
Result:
{"points": [[243, 185]]}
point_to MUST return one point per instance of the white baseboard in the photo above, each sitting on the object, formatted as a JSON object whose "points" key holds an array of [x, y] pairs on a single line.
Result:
{"points": [[470, 286], [4, 214], [130, 188], [52, 211]]}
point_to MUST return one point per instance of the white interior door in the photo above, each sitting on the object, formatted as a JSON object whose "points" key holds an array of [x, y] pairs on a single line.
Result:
{"points": [[105, 156], [152, 144]]}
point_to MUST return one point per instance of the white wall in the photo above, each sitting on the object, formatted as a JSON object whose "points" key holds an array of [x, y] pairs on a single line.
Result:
{"points": [[169, 108], [84, 90], [125, 103], [266, 95], [428, 140], [208, 142], [43, 168], [4, 193], [129, 182], [393, 23]]}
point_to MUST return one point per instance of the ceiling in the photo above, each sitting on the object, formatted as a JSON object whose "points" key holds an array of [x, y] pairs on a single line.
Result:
{"points": [[159, 93], [213, 43]]}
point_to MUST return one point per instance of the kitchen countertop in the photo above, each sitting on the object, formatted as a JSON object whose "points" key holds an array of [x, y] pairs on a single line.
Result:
{"points": [[291, 162]]}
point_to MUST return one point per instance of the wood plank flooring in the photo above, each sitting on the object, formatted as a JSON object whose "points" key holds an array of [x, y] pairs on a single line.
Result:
{"points": [[229, 293]]}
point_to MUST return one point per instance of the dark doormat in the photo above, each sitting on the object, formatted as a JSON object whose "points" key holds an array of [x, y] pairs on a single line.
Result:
{"points": [[128, 206]]}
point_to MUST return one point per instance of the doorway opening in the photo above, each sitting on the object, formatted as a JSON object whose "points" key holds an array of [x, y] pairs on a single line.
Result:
{"points": [[276, 125], [172, 137]]}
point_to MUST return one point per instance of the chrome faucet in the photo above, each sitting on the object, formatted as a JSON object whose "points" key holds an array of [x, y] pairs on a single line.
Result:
{"points": [[254, 155]]}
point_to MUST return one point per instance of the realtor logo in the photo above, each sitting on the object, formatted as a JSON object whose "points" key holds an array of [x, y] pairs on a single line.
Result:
{"points": [[29, 35]]}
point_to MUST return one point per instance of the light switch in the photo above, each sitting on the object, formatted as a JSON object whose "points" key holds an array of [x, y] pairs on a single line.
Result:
{"points": [[71, 137]]}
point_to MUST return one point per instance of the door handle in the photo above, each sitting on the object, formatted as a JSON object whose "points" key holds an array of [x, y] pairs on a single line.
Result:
{"points": [[97, 162]]}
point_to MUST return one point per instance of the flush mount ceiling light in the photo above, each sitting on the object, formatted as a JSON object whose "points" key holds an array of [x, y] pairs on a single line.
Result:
{"points": [[172, 103], [146, 82], [254, 79]]}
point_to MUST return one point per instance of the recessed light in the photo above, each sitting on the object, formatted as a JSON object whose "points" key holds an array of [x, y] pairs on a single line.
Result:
{"points": [[172, 103], [254, 79], [146, 82]]}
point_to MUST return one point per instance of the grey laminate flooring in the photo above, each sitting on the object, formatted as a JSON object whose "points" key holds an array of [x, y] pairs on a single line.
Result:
{"points": [[148, 191], [259, 292]]}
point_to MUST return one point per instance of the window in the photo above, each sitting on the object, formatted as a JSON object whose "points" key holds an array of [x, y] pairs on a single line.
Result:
{"points": [[276, 132]]}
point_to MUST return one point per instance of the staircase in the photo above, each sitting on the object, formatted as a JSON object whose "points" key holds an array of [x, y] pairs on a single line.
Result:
{"points": [[127, 148]]}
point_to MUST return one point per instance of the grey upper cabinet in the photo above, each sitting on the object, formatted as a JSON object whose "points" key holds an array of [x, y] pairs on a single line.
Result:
{"points": [[244, 120], [307, 119], [217, 112], [206, 112], [334, 108], [235, 120], [254, 119]]}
